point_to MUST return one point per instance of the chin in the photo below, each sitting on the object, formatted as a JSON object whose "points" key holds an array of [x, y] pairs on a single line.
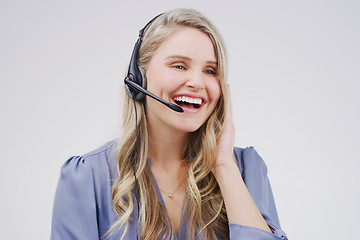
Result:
{"points": [[188, 128], [192, 130]]}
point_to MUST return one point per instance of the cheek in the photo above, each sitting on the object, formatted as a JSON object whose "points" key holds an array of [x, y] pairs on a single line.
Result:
{"points": [[161, 78], [214, 90]]}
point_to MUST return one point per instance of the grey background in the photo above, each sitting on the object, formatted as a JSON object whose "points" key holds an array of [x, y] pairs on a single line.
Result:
{"points": [[293, 71]]}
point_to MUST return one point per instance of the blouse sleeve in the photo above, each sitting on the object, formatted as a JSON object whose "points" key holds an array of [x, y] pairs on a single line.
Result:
{"points": [[254, 173], [74, 211]]}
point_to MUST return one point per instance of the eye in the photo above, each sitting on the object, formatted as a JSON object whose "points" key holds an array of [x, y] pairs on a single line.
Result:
{"points": [[212, 72], [179, 67]]}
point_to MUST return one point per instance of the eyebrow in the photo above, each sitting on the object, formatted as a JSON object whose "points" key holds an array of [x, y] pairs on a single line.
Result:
{"points": [[189, 59]]}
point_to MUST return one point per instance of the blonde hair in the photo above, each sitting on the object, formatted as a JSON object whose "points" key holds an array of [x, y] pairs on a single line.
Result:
{"points": [[204, 207]]}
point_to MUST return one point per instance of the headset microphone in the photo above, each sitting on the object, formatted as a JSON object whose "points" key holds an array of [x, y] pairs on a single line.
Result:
{"points": [[137, 87]]}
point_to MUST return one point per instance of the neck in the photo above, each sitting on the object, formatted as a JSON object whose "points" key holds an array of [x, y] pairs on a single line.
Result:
{"points": [[166, 147]]}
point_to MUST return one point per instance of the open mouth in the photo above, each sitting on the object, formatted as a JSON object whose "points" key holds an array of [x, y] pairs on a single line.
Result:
{"points": [[188, 102]]}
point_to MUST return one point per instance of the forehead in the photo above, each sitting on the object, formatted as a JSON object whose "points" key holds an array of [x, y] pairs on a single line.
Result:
{"points": [[189, 42]]}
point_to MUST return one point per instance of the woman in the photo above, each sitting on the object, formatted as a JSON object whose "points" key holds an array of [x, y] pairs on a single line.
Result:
{"points": [[171, 175]]}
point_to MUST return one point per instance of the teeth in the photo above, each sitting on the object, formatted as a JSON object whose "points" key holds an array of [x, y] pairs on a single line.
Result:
{"points": [[188, 100]]}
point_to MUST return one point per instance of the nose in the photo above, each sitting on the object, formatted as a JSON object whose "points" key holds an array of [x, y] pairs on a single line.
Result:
{"points": [[195, 82]]}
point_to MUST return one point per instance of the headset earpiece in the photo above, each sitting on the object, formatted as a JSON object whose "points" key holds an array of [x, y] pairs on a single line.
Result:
{"points": [[135, 73]]}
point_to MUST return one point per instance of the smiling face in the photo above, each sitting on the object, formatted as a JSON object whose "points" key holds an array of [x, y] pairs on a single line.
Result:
{"points": [[183, 71]]}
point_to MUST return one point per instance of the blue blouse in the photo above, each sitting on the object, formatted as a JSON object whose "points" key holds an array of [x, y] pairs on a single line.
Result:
{"points": [[83, 200]]}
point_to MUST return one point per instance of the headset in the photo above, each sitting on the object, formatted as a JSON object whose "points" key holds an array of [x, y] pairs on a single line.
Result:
{"points": [[135, 80]]}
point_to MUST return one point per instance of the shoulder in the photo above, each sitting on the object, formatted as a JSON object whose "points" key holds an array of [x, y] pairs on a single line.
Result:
{"points": [[248, 159], [104, 152], [84, 176], [94, 163], [83, 188]]}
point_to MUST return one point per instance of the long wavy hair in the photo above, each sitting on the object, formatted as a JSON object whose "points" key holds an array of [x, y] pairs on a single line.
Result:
{"points": [[204, 208]]}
